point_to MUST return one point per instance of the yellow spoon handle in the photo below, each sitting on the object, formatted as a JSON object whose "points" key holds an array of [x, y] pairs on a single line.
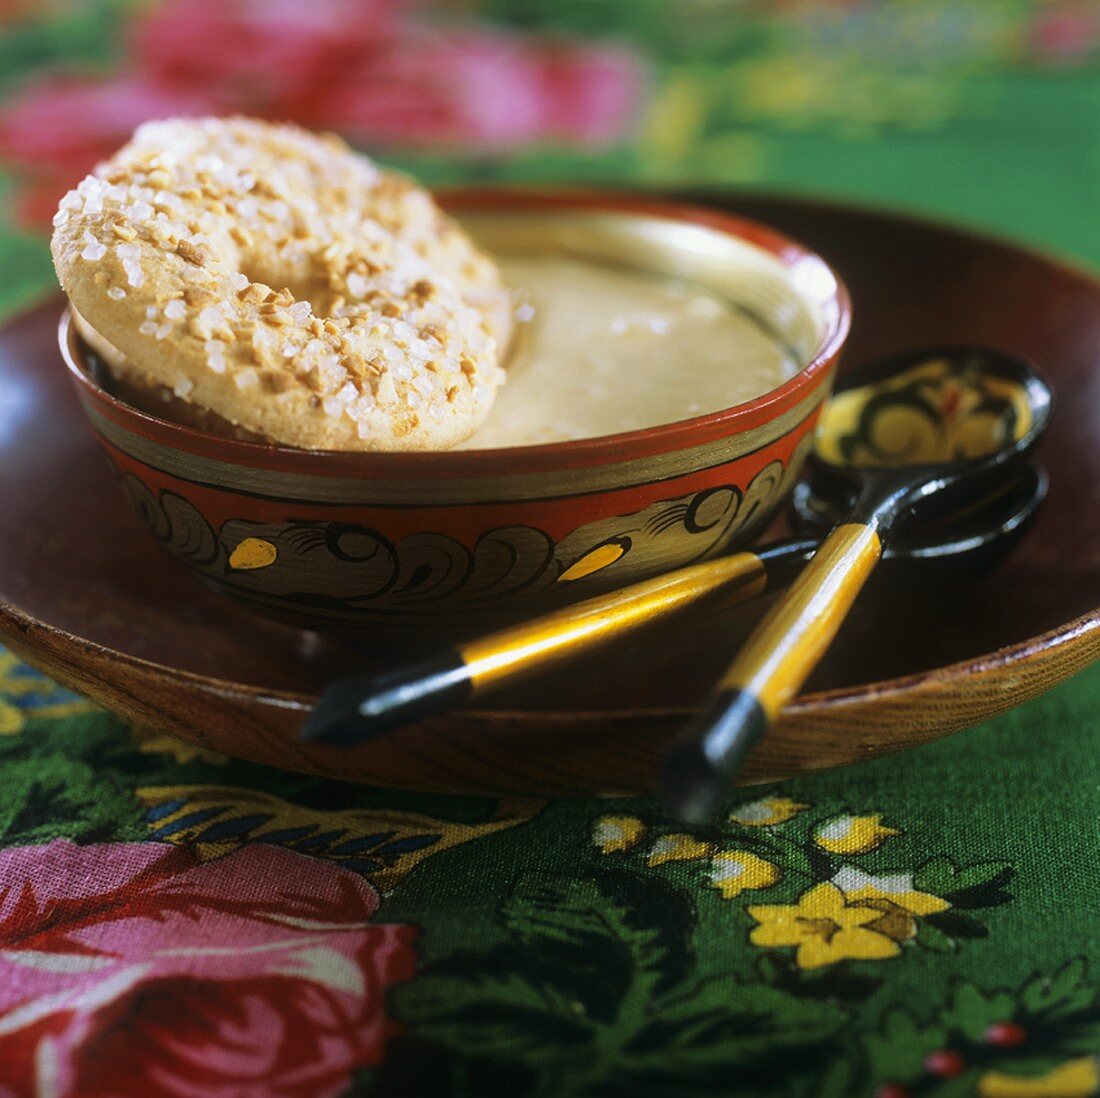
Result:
{"points": [[791, 639], [354, 710], [769, 670], [568, 633]]}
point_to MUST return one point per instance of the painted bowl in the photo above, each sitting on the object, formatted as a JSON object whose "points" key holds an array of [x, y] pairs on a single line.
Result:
{"points": [[462, 540]]}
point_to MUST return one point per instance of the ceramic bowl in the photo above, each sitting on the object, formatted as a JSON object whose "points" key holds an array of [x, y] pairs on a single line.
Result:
{"points": [[460, 540]]}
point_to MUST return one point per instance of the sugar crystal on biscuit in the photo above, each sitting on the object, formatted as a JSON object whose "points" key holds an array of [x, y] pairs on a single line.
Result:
{"points": [[246, 378], [93, 249]]}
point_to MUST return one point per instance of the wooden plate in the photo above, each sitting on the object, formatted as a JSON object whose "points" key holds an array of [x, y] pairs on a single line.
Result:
{"points": [[88, 596]]}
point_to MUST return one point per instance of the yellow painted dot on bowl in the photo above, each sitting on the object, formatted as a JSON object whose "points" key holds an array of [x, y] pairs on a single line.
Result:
{"points": [[595, 559], [253, 553]]}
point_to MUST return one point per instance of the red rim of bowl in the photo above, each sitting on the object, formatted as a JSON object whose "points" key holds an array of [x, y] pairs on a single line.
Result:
{"points": [[550, 456]]}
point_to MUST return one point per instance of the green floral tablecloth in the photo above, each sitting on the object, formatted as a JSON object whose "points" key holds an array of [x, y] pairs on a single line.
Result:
{"points": [[173, 922]]}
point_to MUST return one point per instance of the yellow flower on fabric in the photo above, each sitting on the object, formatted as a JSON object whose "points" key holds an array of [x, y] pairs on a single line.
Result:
{"points": [[678, 848], [767, 813], [617, 834], [824, 927], [736, 871], [1078, 1078], [11, 719], [853, 834], [893, 894], [674, 120], [149, 742]]}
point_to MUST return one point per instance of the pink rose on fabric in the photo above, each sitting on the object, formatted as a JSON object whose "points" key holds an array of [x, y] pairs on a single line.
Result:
{"points": [[1062, 34], [368, 68], [485, 90], [59, 128], [589, 94], [264, 58], [134, 969]]}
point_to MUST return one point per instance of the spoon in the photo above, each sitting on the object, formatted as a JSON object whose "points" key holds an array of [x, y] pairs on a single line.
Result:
{"points": [[944, 424], [358, 709]]}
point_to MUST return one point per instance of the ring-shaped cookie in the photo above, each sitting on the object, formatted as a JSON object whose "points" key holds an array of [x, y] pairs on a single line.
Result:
{"points": [[283, 284]]}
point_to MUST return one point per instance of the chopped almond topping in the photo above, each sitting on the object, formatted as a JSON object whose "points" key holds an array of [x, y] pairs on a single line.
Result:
{"points": [[241, 235], [276, 381], [197, 296], [197, 254]]}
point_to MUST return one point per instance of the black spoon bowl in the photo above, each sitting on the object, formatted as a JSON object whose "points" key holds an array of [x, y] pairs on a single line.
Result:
{"points": [[968, 541]]}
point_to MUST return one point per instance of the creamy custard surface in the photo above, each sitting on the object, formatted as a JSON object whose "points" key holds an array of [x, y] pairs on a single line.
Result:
{"points": [[602, 350]]}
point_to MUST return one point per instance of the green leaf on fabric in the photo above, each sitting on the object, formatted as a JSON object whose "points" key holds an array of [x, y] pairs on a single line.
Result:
{"points": [[1063, 993], [595, 985], [936, 875], [718, 1023], [638, 928], [486, 1004], [52, 796], [822, 865], [941, 876], [789, 853], [934, 939], [898, 1048], [971, 1011], [955, 925], [839, 1080]]}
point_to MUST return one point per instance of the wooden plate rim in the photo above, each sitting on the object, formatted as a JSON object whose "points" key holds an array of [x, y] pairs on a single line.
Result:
{"points": [[15, 622]]}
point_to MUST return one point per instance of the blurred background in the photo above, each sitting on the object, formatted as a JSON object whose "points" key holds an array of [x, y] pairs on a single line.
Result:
{"points": [[987, 111]]}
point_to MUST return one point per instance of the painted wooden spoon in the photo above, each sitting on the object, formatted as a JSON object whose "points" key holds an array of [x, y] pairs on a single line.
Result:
{"points": [[943, 424]]}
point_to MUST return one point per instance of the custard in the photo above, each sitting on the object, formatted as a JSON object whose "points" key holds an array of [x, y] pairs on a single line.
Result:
{"points": [[603, 349]]}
